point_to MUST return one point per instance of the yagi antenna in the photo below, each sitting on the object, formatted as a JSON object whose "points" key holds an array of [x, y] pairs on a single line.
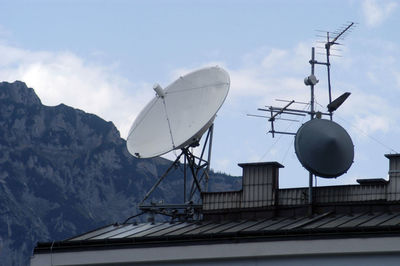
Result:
{"points": [[328, 45]]}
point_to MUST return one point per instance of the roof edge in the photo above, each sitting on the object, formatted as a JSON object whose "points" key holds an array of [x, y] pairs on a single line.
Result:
{"points": [[65, 246]]}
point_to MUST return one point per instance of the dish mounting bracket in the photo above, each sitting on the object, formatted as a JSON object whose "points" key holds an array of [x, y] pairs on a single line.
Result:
{"points": [[196, 171]]}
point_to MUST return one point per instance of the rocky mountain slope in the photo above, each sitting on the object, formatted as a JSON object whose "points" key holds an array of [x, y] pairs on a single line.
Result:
{"points": [[64, 172]]}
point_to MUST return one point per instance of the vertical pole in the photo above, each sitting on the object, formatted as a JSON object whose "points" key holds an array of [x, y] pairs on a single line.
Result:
{"points": [[310, 185], [192, 164], [312, 62], [272, 123], [328, 68], [209, 155], [184, 179]]}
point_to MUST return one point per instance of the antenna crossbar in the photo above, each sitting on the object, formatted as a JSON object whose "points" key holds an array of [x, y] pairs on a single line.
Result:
{"points": [[296, 111], [272, 118], [276, 118], [282, 132], [280, 100], [283, 112]]}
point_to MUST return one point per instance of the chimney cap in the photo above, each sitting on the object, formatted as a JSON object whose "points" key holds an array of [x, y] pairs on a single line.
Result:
{"points": [[392, 155], [372, 181], [276, 164]]}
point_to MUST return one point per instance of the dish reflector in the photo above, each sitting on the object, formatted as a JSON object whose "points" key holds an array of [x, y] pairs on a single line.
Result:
{"points": [[324, 148], [179, 114]]}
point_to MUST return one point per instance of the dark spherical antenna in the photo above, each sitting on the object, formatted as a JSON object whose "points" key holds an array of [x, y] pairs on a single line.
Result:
{"points": [[324, 148]]}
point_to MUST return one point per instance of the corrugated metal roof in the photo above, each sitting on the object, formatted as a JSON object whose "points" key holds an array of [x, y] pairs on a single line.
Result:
{"points": [[325, 221], [392, 221], [324, 225], [375, 220]]}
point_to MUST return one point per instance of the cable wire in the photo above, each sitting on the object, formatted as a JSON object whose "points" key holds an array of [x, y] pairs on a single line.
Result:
{"points": [[363, 132], [136, 215]]}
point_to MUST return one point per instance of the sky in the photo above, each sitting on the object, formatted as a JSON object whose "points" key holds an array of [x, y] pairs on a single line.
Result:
{"points": [[104, 56]]}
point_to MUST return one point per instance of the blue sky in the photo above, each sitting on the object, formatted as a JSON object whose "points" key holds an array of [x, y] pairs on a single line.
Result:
{"points": [[104, 56]]}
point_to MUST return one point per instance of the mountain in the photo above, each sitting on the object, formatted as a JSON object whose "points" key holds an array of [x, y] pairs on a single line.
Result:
{"points": [[64, 172]]}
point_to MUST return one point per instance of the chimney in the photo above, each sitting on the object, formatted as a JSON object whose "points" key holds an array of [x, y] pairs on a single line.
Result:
{"points": [[393, 188], [260, 184]]}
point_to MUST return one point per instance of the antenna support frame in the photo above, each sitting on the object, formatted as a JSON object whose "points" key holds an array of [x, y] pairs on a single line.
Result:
{"points": [[199, 171]]}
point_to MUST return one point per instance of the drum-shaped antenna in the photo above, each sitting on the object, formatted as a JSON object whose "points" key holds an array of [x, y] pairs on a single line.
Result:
{"points": [[324, 148], [179, 115]]}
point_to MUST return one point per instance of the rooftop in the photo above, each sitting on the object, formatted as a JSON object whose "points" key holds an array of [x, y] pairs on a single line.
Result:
{"points": [[262, 211], [323, 225]]}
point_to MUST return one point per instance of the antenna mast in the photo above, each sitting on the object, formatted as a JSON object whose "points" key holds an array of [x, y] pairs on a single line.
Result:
{"points": [[311, 80]]}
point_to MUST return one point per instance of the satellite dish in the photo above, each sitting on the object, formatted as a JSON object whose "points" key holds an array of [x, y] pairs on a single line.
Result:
{"points": [[179, 114], [324, 148]]}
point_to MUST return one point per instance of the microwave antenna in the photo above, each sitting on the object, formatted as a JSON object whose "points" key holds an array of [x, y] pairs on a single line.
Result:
{"points": [[175, 120]]}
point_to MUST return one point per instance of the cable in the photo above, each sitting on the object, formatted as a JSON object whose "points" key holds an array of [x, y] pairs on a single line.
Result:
{"points": [[369, 136], [136, 215], [270, 148], [364, 133], [51, 253], [287, 150], [292, 142]]}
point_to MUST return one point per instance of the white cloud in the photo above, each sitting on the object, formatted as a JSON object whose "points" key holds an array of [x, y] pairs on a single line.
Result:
{"points": [[376, 12], [372, 123], [367, 113], [273, 59], [266, 71], [63, 77], [270, 74]]}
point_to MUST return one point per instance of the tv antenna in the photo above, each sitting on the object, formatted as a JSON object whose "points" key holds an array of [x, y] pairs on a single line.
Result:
{"points": [[322, 146], [176, 119]]}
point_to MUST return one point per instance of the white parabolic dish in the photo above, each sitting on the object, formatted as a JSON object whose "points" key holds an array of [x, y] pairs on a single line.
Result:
{"points": [[181, 116]]}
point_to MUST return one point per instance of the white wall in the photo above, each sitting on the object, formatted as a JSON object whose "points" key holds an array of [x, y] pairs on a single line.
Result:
{"points": [[348, 251]]}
